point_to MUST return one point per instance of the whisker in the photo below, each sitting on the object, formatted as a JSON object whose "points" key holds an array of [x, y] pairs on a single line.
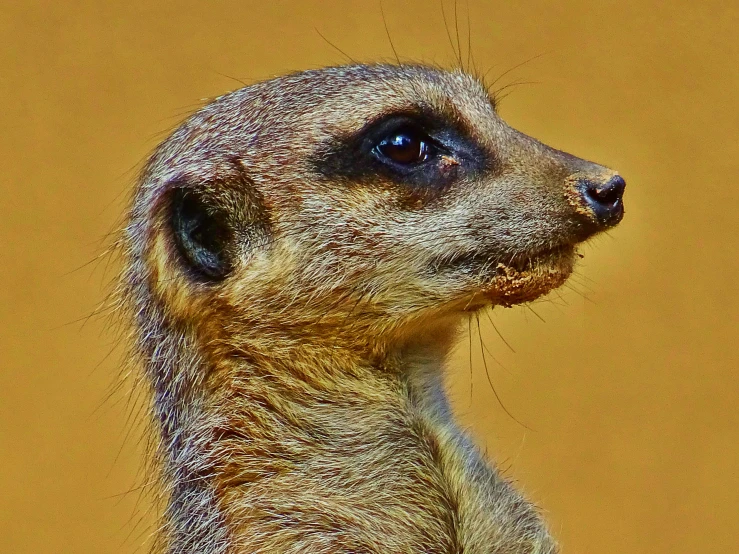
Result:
{"points": [[389, 38], [490, 381], [528, 306], [332, 45], [457, 55], [487, 313], [469, 334]]}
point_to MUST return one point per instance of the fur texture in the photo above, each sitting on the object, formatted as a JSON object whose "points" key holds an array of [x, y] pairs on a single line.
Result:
{"points": [[297, 379]]}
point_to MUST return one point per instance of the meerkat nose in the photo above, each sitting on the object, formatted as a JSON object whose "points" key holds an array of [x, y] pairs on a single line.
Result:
{"points": [[604, 198]]}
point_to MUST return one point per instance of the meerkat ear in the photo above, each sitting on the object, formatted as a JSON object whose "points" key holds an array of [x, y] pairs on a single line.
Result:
{"points": [[217, 224], [203, 233]]}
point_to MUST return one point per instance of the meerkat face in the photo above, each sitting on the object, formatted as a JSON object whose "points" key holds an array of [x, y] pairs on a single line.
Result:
{"points": [[360, 198]]}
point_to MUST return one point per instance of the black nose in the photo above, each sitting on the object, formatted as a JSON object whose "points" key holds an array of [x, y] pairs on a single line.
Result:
{"points": [[605, 199]]}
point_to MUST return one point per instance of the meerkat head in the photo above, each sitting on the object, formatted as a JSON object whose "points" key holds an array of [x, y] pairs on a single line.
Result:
{"points": [[357, 206]]}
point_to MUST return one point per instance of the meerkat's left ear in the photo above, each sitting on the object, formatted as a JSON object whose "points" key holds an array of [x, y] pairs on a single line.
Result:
{"points": [[215, 225]]}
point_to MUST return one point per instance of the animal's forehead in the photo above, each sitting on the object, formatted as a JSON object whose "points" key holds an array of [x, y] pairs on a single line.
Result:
{"points": [[284, 119], [346, 97]]}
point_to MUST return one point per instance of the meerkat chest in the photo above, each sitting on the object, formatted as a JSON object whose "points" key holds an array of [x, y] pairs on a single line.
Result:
{"points": [[366, 479]]}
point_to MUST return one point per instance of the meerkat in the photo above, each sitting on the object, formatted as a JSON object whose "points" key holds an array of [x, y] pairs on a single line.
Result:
{"points": [[299, 256]]}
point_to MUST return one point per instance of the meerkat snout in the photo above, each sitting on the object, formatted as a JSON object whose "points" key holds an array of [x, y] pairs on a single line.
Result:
{"points": [[300, 255]]}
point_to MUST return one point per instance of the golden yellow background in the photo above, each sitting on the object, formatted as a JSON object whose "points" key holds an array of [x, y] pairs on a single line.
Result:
{"points": [[628, 388]]}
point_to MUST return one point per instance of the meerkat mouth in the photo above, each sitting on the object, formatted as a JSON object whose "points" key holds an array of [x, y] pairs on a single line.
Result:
{"points": [[530, 277], [523, 278]]}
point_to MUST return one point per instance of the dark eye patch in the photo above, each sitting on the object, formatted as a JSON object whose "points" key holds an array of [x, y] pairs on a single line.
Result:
{"points": [[416, 149]]}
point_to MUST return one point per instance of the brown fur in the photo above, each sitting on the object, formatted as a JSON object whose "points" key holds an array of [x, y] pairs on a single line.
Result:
{"points": [[300, 399]]}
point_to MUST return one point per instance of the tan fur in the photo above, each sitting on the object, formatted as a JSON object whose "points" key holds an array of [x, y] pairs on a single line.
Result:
{"points": [[300, 398]]}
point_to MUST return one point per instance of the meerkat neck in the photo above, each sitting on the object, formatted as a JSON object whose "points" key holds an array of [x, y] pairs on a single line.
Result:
{"points": [[253, 435], [324, 449]]}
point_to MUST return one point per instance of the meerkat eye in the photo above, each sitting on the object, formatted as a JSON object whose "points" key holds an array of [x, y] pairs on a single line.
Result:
{"points": [[405, 147]]}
